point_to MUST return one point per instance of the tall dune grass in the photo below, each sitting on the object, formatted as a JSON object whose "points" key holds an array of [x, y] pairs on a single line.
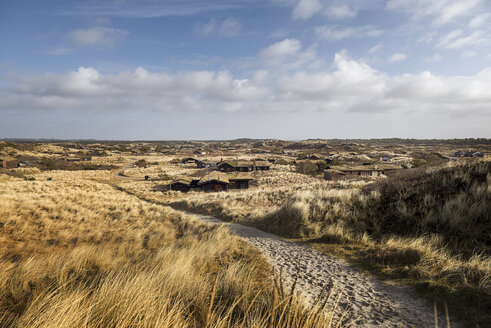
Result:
{"points": [[429, 226], [432, 226], [81, 254]]}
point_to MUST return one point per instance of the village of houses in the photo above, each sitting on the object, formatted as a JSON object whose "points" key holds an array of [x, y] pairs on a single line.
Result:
{"points": [[226, 166]]}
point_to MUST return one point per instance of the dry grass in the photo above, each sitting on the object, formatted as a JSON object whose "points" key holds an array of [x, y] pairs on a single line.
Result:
{"points": [[427, 227], [430, 228], [79, 253], [270, 191]]}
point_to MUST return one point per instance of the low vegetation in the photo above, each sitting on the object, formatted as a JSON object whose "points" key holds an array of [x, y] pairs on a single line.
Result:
{"points": [[76, 251], [429, 227], [79, 253]]}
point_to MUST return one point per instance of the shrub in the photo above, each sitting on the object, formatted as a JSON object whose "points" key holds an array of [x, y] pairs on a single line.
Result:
{"points": [[311, 168], [48, 163], [141, 163]]}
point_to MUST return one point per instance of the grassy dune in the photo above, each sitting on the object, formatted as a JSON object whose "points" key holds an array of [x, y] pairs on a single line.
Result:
{"points": [[430, 227], [79, 253]]}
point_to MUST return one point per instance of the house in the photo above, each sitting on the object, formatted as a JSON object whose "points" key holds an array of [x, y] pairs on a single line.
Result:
{"points": [[261, 165], [358, 172], [72, 159], [214, 182], [334, 175], [23, 164], [199, 152], [478, 154], [184, 184], [3, 163], [206, 164], [189, 160], [244, 166], [470, 153], [235, 166], [239, 180], [289, 152], [314, 157]]}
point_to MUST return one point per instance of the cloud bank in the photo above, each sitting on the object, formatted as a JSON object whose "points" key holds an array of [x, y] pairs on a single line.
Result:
{"points": [[349, 86]]}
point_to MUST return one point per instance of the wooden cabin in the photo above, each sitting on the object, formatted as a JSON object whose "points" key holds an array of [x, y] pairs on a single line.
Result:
{"points": [[334, 175], [261, 165], [244, 166], [239, 180], [206, 164], [184, 184], [23, 164], [214, 182], [358, 172], [3, 163], [235, 166]]}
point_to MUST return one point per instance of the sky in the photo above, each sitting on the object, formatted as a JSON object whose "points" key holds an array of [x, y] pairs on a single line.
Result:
{"points": [[225, 69]]}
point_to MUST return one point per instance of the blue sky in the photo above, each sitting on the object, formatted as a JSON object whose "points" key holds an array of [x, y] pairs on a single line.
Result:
{"points": [[289, 69]]}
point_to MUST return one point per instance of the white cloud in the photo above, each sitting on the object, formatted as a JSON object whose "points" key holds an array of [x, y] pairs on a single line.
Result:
{"points": [[97, 36], [479, 20], [305, 9], [376, 48], [469, 54], [340, 11], [355, 86], [208, 28], [434, 59], [287, 47], [230, 27], [397, 57], [332, 34], [350, 85], [87, 90], [227, 28], [439, 11], [457, 39], [287, 55]]}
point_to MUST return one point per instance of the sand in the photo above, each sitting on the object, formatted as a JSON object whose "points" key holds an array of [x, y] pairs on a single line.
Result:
{"points": [[363, 300]]}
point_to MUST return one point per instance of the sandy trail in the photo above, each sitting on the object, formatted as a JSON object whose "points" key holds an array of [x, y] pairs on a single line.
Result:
{"points": [[369, 302]]}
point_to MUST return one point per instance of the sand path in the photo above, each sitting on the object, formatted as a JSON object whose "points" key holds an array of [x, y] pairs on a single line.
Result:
{"points": [[369, 302]]}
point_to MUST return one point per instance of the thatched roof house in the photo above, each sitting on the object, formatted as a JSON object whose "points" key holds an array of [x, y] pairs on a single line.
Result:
{"points": [[243, 166], [235, 166], [359, 171], [184, 184], [261, 165], [239, 180], [206, 164], [334, 175], [214, 181]]}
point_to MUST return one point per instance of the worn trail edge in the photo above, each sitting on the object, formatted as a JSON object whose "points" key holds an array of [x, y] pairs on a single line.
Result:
{"points": [[369, 302]]}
